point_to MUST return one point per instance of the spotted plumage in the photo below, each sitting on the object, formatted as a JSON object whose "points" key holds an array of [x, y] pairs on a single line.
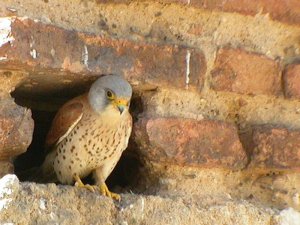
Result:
{"points": [[89, 134]]}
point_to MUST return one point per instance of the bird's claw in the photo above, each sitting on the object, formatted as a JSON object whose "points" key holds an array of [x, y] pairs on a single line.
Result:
{"points": [[86, 186], [79, 184], [104, 191]]}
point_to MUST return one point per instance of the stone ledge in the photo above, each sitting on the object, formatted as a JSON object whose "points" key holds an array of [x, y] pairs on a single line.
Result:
{"points": [[29, 203]]}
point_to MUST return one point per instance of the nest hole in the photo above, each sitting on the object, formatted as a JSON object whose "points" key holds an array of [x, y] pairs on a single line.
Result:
{"points": [[44, 103]]}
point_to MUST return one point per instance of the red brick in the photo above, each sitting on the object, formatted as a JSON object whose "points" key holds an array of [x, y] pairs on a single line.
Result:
{"points": [[276, 148], [51, 50], [287, 11], [291, 79], [16, 129], [236, 70], [190, 142]]}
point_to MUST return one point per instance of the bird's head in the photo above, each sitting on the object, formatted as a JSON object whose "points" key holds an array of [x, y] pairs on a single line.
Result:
{"points": [[111, 91]]}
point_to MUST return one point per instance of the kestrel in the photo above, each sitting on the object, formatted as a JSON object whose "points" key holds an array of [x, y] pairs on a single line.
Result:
{"points": [[89, 134]]}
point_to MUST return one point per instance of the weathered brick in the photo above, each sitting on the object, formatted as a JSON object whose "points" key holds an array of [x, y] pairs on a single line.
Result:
{"points": [[190, 142], [6, 167], [46, 49], [287, 11], [16, 129], [236, 70], [275, 148], [291, 79]]}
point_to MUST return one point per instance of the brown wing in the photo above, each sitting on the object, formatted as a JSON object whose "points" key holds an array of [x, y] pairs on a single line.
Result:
{"points": [[128, 128], [65, 120]]}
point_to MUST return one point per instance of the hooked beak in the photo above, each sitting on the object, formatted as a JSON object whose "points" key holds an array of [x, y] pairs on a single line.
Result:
{"points": [[122, 104]]}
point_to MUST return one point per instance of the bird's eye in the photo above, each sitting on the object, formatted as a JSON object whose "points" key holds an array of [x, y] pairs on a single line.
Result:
{"points": [[109, 95]]}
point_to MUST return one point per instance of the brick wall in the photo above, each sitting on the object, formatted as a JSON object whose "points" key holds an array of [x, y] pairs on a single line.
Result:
{"points": [[217, 83]]}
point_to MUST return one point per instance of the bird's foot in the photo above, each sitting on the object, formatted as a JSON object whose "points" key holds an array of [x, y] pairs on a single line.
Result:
{"points": [[79, 184], [104, 191]]}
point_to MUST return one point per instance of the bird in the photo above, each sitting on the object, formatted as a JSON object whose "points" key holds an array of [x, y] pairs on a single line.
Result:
{"points": [[89, 133]]}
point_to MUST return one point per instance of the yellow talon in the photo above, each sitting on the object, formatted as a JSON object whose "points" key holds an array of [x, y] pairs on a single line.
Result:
{"points": [[104, 191], [79, 184], [102, 188]]}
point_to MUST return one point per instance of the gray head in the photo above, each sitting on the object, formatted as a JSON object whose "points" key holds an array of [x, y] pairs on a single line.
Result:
{"points": [[110, 90]]}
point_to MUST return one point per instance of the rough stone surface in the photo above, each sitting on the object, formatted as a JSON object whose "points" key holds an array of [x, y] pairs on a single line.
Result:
{"points": [[279, 189], [242, 72], [190, 142], [6, 167], [282, 10], [28, 203], [9, 187], [159, 54], [160, 25], [291, 80], [243, 110], [16, 128], [16, 125], [288, 216], [51, 50], [8, 81], [276, 148]]}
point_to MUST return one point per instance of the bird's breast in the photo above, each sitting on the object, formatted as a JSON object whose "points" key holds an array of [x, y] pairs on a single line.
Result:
{"points": [[91, 143], [102, 139]]}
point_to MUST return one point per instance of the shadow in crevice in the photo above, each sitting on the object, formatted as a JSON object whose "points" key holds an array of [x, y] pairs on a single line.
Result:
{"points": [[35, 154], [125, 175]]}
